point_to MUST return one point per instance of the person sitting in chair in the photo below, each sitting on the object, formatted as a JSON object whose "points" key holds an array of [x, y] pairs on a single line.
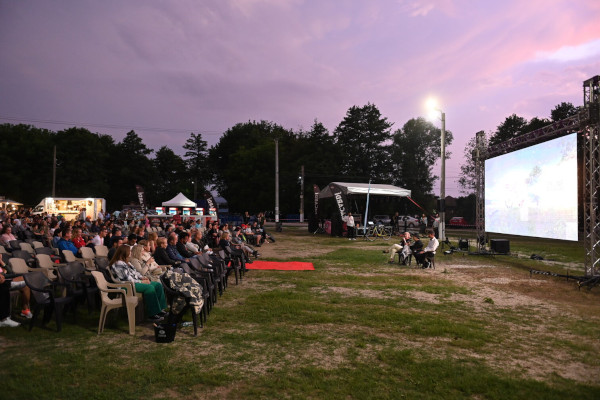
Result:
{"points": [[154, 295], [428, 251], [403, 247], [407, 251]]}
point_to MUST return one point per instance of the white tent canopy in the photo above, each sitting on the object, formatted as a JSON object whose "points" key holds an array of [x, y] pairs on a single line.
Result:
{"points": [[363, 188], [179, 201]]}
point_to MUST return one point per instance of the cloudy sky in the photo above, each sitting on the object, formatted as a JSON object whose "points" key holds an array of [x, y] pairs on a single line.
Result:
{"points": [[168, 68]]}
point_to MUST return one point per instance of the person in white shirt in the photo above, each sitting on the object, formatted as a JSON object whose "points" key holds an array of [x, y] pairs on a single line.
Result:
{"points": [[349, 220], [98, 240], [436, 225], [428, 251]]}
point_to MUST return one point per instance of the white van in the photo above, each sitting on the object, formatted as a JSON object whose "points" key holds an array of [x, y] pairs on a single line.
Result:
{"points": [[70, 207]]}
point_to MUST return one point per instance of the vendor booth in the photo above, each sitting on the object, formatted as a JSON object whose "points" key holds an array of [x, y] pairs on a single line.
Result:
{"points": [[182, 207], [340, 191]]}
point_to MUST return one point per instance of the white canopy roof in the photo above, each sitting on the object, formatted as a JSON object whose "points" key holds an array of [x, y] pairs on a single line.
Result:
{"points": [[363, 188], [179, 201]]}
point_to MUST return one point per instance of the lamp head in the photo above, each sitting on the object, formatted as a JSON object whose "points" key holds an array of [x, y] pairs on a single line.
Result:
{"points": [[433, 109]]}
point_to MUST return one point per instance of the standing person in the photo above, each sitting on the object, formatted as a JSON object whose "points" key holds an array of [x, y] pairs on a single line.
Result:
{"points": [[246, 218], [396, 222], [436, 225], [423, 223], [349, 220]]}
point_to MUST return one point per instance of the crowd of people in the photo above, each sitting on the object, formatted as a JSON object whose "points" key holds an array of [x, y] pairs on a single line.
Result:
{"points": [[137, 252]]}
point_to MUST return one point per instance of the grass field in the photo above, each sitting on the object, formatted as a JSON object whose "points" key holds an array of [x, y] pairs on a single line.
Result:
{"points": [[355, 328]]}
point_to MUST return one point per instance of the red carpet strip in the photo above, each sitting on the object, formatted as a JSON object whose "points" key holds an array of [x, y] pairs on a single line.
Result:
{"points": [[282, 265]]}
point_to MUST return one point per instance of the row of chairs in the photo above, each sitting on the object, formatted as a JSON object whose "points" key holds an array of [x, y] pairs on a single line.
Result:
{"points": [[44, 276]]}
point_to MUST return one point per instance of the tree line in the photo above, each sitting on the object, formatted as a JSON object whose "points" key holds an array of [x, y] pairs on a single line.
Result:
{"points": [[241, 166]]}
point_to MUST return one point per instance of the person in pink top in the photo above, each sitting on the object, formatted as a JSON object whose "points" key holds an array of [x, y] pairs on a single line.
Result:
{"points": [[7, 235]]}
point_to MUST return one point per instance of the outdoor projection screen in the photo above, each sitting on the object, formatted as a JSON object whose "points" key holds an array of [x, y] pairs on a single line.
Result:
{"points": [[533, 191]]}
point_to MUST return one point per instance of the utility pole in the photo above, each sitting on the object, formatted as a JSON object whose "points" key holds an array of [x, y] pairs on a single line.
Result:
{"points": [[276, 180], [54, 174], [302, 194]]}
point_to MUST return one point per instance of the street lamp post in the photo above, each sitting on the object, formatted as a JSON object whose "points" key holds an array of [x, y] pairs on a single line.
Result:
{"points": [[442, 228], [432, 105]]}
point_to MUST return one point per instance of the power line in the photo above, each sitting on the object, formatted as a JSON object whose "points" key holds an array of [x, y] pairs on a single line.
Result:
{"points": [[108, 126]]}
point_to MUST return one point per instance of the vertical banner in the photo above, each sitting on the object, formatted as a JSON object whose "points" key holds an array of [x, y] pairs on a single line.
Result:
{"points": [[212, 205], [142, 198], [337, 220], [317, 191], [340, 198]]}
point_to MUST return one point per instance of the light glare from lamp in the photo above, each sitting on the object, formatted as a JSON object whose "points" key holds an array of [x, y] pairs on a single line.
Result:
{"points": [[433, 110]]}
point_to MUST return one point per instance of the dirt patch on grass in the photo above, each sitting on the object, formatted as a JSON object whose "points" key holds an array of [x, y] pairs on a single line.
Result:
{"points": [[538, 303]]}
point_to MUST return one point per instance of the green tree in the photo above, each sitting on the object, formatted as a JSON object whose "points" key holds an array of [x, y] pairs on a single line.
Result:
{"points": [[468, 176], [562, 111], [415, 149], [535, 123], [27, 154], [362, 137], [171, 174], [130, 165], [196, 158], [243, 165], [512, 127], [82, 158]]}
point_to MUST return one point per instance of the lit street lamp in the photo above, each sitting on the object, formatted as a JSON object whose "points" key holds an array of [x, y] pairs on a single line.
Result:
{"points": [[432, 105]]}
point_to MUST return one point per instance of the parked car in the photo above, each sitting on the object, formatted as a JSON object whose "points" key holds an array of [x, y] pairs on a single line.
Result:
{"points": [[382, 219], [411, 222], [458, 222]]}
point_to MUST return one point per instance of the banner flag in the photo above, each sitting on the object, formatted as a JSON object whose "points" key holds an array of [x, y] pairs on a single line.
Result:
{"points": [[317, 191], [142, 198], [212, 205], [340, 199]]}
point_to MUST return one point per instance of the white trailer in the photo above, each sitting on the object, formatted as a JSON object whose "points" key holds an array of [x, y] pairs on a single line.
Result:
{"points": [[71, 207]]}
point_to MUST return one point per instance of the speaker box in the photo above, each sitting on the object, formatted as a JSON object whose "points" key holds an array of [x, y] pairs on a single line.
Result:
{"points": [[463, 244], [500, 246]]}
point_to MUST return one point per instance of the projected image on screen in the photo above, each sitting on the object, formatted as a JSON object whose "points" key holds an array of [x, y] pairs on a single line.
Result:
{"points": [[533, 191]]}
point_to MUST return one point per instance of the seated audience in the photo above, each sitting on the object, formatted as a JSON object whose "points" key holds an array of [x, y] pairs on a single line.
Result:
{"points": [[152, 237], [65, 242], [182, 248], [154, 295], [5, 320], [160, 254], [429, 250], [18, 283], [403, 247]]}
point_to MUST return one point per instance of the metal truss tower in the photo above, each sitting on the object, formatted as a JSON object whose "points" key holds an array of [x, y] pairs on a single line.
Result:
{"points": [[591, 178], [480, 156]]}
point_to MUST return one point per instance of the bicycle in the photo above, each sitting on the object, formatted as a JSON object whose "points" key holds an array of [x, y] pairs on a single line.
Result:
{"points": [[378, 231]]}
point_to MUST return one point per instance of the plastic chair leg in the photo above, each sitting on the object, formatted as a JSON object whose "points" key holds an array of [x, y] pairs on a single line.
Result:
{"points": [[131, 317], [102, 320]]}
